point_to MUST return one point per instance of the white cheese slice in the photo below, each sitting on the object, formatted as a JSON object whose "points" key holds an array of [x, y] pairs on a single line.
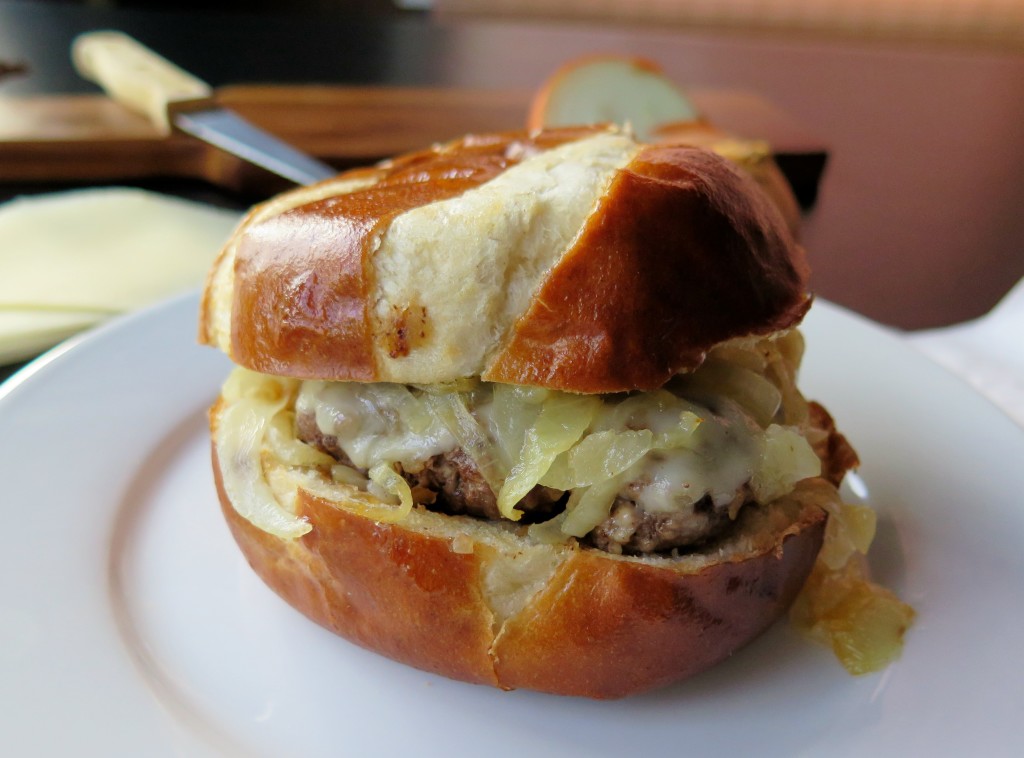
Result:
{"points": [[70, 259], [23, 333]]}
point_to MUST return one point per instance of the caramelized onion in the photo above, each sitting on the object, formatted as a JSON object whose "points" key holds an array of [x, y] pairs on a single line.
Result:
{"points": [[756, 394], [452, 411], [561, 422], [861, 621], [589, 506], [514, 409], [786, 458], [239, 441], [290, 450], [598, 457], [388, 485]]}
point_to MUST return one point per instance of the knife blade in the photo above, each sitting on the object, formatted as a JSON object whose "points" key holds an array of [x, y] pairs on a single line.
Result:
{"points": [[170, 97]]}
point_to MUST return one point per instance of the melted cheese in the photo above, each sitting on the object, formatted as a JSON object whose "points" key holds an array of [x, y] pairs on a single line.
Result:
{"points": [[706, 445], [376, 423]]}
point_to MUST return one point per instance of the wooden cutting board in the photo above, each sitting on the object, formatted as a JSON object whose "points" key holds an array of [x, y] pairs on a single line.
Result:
{"points": [[88, 138]]}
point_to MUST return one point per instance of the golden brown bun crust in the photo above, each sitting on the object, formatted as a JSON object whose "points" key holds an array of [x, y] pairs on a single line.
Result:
{"points": [[606, 628], [404, 596], [678, 252], [601, 627], [679, 256], [752, 157]]}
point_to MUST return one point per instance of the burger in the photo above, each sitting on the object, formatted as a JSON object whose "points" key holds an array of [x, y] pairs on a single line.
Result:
{"points": [[521, 409]]}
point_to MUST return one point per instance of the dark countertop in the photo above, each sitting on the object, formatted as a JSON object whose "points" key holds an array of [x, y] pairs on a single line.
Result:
{"points": [[918, 222]]}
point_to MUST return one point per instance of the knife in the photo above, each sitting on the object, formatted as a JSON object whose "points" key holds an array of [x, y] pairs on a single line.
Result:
{"points": [[170, 97]]}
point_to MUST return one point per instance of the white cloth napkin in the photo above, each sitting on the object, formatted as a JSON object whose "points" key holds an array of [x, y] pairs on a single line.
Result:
{"points": [[988, 352]]}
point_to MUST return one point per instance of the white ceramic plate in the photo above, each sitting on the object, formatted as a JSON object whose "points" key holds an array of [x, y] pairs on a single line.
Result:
{"points": [[130, 625]]}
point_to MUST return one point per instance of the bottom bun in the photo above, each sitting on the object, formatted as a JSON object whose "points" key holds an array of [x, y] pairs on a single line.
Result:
{"points": [[483, 602]]}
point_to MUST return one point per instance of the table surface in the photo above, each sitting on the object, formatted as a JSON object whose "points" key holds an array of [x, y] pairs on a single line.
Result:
{"points": [[918, 222]]}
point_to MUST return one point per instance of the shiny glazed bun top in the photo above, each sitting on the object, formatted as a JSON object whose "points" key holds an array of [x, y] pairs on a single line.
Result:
{"points": [[573, 259]]}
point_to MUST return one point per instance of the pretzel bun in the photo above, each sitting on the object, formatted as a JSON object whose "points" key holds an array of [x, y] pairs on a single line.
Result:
{"points": [[575, 259], [484, 603], [753, 157], [570, 260]]}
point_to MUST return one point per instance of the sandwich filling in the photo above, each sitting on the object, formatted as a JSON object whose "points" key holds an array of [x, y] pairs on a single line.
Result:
{"points": [[633, 473]]}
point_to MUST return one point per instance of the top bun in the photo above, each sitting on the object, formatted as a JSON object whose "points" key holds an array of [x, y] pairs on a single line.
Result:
{"points": [[574, 259]]}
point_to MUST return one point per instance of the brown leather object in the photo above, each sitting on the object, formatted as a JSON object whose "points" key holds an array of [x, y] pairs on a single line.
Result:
{"points": [[601, 626], [678, 253]]}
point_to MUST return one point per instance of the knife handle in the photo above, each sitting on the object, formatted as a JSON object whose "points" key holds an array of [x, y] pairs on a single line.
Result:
{"points": [[136, 77]]}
